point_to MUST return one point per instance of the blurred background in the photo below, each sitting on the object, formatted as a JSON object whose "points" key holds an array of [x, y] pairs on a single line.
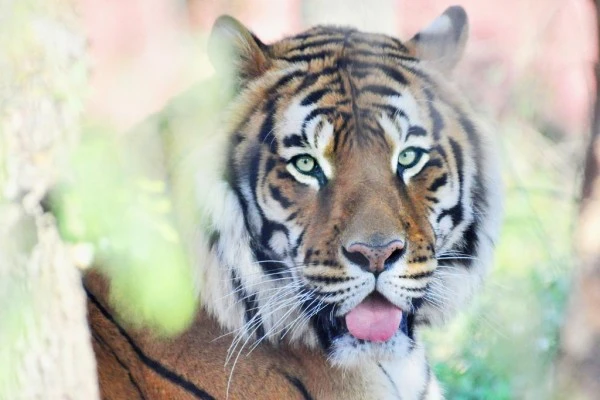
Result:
{"points": [[528, 68]]}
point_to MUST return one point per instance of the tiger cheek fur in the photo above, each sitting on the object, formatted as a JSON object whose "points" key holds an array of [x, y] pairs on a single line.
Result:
{"points": [[360, 184]]}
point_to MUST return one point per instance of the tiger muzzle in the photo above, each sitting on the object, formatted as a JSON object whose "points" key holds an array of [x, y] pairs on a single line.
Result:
{"points": [[372, 257]]}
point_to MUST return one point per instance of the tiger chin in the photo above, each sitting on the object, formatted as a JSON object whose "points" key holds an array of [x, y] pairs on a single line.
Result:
{"points": [[359, 199]]}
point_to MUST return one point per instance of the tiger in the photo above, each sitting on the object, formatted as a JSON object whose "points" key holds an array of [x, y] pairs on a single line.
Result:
{"points": [[357, 200]]}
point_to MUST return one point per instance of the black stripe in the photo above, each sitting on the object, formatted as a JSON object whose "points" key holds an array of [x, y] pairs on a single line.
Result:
{"points": [[154, 365], [398, 43], [410, 289], [312, 115], [380, 90], [415, 131], [322, 30], [292, 216], [347, 139], [425, 391], [327, 279], [470, 129], [298, 385], [434, 114], [328, 294], [270, 164], [468, 246], [266, 233], [419, 275], [312, 78], [308, 80], [347, 64], [458, 156], [283, 81], [283, 174], [314, 97], [308, 57], [250, 305], [307, 44], [391, 73], [384, 54], [298, 244], [279, 197], [267, 134], [340, 131], [438, 182], [252, 176], [392, 111], [456, 212], [478, 191], [268, 262], [294, 140], [383, 43], [325, 325], [392, 382], [213, 239], [106, 346], [433, 162], [315, 113], [441, 151]]}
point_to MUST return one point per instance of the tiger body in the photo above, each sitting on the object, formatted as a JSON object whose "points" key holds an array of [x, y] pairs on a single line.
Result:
{"points": [[358, 201], [135, 365]]}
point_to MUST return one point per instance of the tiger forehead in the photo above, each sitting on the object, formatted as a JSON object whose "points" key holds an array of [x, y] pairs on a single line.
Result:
{"points": [[344, 77], [335, 42]]}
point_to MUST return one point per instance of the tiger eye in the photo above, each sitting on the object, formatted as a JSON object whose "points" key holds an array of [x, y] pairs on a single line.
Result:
{"points": [[305, 164], [409, 157]]}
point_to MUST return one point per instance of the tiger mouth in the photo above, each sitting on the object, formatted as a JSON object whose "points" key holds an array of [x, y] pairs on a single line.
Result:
{"points": [[330, 327]]}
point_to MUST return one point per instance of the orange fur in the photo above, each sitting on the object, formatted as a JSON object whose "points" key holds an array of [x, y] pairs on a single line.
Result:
{"points": [[197, 357]]}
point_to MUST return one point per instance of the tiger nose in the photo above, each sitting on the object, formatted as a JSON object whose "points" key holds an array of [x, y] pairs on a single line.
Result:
{"points": [[373, 258]]}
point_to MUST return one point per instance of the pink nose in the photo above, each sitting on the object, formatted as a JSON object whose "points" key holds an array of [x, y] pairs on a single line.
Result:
{"points": [[374, 258]]}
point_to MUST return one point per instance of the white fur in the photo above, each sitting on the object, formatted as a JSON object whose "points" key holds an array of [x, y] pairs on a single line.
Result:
{"points": [[410, 373], [347, 351], [441, 26], [318, 140], [397, 131]]}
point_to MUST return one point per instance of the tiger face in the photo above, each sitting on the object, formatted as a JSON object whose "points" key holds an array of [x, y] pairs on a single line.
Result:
{"points": [[361, 195]]}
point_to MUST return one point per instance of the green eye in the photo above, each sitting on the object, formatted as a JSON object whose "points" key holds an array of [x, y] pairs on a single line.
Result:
{"points": [[305, 164], [409, 157]]}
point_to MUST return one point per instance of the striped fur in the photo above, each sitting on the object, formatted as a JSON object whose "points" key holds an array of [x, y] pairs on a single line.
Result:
{"points": [[274, 265], [352, 101]]}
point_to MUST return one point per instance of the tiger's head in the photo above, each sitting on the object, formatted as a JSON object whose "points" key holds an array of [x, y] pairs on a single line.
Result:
{"points": [[360, 196]]}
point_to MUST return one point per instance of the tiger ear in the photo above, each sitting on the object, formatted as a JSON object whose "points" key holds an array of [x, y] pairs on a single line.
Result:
{"points": [[234, 50], [442, 42]]}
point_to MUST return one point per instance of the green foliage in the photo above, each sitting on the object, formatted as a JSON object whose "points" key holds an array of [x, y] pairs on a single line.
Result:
{"points": [[114, 200], [132, 197]]}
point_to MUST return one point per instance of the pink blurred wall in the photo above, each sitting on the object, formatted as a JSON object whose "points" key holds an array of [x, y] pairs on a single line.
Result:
{"points": [[544, 48]]}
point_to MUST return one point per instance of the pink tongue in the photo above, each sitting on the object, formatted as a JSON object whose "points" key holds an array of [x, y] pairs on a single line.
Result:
{"points": [[375, 319]]}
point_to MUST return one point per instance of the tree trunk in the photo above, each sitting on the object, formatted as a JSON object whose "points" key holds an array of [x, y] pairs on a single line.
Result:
{"points": [[578, 371], [45, 348]]}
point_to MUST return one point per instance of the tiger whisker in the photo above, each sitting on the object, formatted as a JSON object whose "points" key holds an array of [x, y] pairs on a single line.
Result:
{"points": [[249, 337], [304, 318], [245, 288], [457, 258], [272, 331], [286, 289]]}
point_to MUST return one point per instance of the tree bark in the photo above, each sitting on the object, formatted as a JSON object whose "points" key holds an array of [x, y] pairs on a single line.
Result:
{"points": [[578, 371], [45, 347]]}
